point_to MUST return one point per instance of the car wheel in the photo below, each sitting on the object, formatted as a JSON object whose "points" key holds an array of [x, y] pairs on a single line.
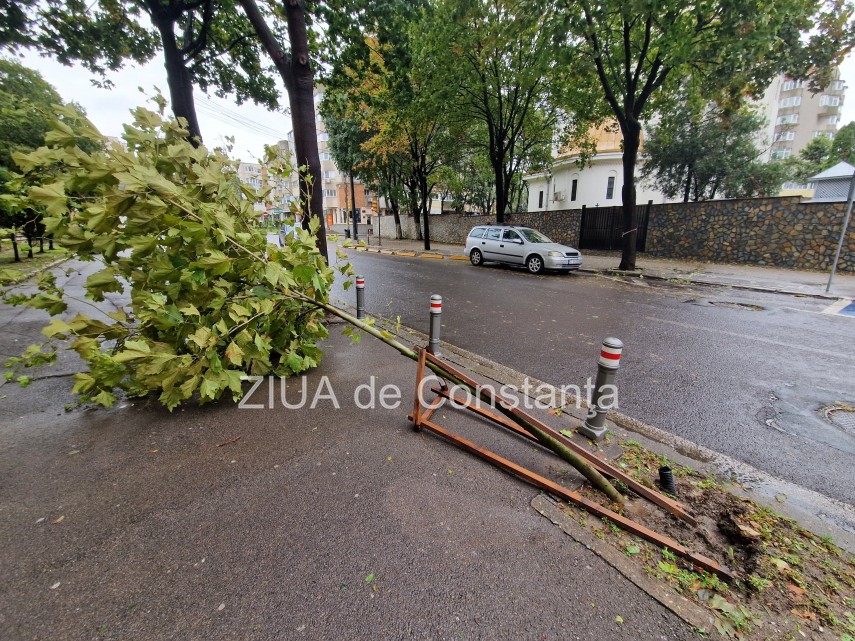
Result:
{"points": [[534, 264], [476, 258]]}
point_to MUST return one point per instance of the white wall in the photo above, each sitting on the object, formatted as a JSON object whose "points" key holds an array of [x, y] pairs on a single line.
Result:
{"points": [[591, 186]]}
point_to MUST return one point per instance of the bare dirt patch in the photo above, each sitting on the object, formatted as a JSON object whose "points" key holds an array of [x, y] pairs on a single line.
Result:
{"points": [[788, 582]]}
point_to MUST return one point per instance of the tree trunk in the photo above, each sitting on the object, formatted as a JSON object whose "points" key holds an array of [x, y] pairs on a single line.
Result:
{"points": [[412, 196], [353, 207], [501, 189], [396, 214], [424, 194], [631, 141], [14, 240], [177, 75], [296, 73]]}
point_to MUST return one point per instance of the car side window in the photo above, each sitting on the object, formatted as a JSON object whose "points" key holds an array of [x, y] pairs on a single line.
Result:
{"points": [[478, 232], [511, 235], [493, 234]]}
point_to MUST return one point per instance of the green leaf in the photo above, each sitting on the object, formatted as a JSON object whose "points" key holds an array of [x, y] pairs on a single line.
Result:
{"points": [[234, 354], [51, 197], [668, 568]]}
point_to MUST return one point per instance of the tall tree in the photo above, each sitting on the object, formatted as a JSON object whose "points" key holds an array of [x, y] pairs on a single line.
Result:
{"points": [[206, 43], [699, 154], [369, 49], [295, 69], [844, 143], [496, 55], [645, 53]]}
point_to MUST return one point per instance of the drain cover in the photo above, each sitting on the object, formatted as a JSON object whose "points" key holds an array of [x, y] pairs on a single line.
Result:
{"points": [[842, 417]]}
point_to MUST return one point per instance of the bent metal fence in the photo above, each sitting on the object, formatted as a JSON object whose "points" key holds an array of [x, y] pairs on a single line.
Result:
{"points": [[602, 227]]}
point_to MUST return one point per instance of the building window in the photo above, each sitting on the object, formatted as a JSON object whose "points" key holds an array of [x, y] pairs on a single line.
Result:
{"points": [[789, 85], [540, 201], [781, 154], [838, 85], [325, 155], [610, 188], [573, 186], [323, 136], [829, 101], [792, 101], [330, 193], [833, 120], [789, 119], [328, 174], [785, 135]]}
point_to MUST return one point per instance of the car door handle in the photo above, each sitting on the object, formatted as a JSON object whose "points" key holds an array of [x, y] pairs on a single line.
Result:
{"points": [[502, 245]]}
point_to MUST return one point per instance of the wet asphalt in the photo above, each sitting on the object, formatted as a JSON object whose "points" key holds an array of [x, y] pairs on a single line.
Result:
{"points": [[744, 373], [263, 523]]}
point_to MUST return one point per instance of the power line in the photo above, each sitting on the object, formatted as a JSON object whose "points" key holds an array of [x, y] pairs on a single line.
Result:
{"points": [[223, 114]]}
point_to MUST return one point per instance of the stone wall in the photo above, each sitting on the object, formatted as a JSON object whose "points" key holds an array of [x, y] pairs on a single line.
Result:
{"points": [[561, 226], [780, 232]]}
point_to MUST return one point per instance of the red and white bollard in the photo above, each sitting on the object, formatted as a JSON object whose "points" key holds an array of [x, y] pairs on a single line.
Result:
{"points": [[435, 316], [607, 366], [360, 298]]}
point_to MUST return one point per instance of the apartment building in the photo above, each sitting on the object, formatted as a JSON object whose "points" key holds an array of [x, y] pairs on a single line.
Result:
{"points": [[797, 116], [334, 183]]}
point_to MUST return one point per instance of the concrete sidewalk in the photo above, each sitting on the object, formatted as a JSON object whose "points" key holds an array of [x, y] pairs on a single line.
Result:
{"points": [[767, 279], [336, 522]]}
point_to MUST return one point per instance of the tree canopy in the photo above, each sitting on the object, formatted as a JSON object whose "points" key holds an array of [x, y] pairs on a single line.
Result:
{"points": [[698, 155], [648, 56]]}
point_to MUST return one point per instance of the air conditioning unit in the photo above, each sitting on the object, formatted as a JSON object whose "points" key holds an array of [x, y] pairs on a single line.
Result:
{"points": [[558, 196]]}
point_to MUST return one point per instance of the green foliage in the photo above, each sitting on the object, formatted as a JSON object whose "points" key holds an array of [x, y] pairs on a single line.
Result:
{"points": [[498, 63], [169, 226], [698, 154], [26, 101], [844, 143]]}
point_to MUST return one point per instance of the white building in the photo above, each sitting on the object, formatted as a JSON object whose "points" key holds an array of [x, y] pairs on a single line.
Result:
{"points": [[599, 183]]}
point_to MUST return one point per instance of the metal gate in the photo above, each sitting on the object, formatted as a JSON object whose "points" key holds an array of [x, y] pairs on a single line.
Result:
{"points": [[602, 227]]}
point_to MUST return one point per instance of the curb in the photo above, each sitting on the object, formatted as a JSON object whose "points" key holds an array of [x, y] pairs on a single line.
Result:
{"points": [[27, 277], [630, 274], [818, 512]]}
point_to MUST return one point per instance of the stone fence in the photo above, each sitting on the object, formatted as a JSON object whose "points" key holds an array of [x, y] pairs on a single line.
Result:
{"points": [[561, 226], [779, 232]]}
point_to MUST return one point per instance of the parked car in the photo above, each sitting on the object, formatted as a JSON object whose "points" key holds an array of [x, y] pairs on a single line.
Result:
{"points": [[519, 246]]}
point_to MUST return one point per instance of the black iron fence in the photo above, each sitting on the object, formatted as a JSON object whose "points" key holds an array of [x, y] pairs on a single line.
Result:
{"points": [[602, 227]]}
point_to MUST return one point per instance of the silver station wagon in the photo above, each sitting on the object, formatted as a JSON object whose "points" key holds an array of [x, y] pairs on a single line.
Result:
{"points": [[519, 246]]}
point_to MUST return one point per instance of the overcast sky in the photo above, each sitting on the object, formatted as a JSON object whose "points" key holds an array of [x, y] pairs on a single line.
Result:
{"points": [[252, 127]]}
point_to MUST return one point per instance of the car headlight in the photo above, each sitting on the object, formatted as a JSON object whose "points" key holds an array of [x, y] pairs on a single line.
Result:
{"points": [[556, 254]]}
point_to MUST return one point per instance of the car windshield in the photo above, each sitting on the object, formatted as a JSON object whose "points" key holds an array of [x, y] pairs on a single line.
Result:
{"points": [[533, 236]]}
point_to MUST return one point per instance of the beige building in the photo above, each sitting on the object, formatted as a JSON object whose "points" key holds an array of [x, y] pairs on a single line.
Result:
{"points": [[797, 116]]}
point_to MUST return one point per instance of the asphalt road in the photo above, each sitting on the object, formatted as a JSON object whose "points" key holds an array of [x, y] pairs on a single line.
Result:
{"points": [[743, 373]]}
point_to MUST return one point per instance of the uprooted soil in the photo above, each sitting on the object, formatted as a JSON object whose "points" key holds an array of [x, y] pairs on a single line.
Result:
{"points": [[789, 583]]}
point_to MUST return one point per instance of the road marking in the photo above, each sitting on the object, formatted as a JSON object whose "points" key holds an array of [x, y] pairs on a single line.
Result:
{"points": [[757, 339], [843, 307]]}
